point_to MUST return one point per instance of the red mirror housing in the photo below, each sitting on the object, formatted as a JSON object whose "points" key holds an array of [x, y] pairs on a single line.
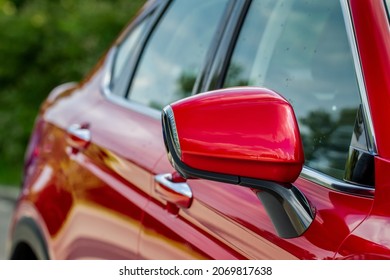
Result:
{"points": [[237, 132], [244, 136]]}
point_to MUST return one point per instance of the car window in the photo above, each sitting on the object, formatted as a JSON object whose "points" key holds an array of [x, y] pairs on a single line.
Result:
{"points": [[300, 49], [175, 52], [125, 50]]}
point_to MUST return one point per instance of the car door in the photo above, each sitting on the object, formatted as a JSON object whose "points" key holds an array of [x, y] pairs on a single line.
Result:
{"points": [[155, 61], [304, 51], [110, 150]]}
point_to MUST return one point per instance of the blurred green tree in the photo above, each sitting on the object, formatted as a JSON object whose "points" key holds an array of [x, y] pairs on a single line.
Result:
{"points": [[44, 43]]}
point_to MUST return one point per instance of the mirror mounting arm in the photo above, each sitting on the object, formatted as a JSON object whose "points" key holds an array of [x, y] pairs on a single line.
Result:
{"points": [[289, 210]]}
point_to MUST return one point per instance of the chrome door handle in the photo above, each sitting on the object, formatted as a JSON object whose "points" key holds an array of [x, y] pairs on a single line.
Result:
{"points": [[177, 193], [78, 136]]}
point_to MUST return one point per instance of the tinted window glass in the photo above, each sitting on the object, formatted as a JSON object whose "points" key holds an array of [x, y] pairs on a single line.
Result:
{"points": [[125, 51], [299, 48], [175, 52]]}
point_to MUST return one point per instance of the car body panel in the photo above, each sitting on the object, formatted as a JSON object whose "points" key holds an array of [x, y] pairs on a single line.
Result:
{"points": [[370, 240], [102, 200], [80, 192], [228, 216], [372, 35]]}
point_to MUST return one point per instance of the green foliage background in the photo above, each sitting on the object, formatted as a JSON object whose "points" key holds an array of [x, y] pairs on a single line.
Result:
{"points": [[44, 43]]}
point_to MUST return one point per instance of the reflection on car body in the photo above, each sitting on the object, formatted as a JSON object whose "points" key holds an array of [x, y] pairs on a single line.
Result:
{"points": [[218, 130]]}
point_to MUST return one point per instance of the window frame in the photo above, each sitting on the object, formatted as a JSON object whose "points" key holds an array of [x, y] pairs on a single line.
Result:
{"points": [[326, 180], [119, 87], [158, 8], [150, 11], [212, 76], [209, 57], [308, 173]]}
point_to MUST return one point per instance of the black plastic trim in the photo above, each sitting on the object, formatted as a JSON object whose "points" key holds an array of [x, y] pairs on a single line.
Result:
{"points": [[218, 43], [228, 43], [289, 210], [360, 165], [360, 168], [158, 13]]}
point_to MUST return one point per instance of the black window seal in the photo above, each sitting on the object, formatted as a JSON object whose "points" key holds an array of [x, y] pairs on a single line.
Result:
{"points": [[218, 70]]}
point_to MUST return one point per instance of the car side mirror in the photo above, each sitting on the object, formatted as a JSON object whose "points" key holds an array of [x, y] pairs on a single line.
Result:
{"points": [[247, 136]]}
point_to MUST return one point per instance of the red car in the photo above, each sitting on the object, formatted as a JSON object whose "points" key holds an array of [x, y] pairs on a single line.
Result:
{"points": [[284, 155]]}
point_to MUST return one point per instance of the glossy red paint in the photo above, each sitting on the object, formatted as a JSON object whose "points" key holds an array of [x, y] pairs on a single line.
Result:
{"points": [[373, 35], [214, 227], [89, 200], [249, 132], [102, 201], [371, 239]]}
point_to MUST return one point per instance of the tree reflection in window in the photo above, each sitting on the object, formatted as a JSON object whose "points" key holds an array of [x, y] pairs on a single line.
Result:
{"points": [[300, 49]]}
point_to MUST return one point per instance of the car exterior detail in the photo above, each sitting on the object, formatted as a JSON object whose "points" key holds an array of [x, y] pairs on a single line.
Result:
{"points": [[222, 129]]}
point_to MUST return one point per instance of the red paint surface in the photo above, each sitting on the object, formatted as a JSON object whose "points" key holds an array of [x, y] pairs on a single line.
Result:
{"points": [[101, 202], [249, 132]]}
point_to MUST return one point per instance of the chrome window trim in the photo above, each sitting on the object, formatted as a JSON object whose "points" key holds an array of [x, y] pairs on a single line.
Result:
{"points": [[359, 75], [137, 107], [326, 180], [334, 184]]}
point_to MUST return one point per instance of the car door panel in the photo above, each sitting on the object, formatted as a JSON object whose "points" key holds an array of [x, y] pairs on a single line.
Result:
{"points": [[113, 182], [126, 143], [234, 215], [370, 240], [91, 192], [235, 221], [211, 227], [47, 192], [101, 185]]}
